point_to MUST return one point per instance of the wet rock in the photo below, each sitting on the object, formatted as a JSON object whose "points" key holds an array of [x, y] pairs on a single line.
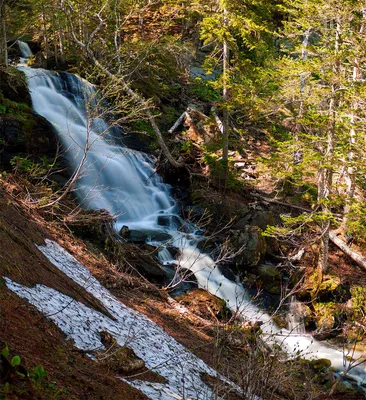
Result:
{"points": [[169, 220], [205, 305], [158, 236], [133, 235], [270, 278], [251, 244], [136, 236]]}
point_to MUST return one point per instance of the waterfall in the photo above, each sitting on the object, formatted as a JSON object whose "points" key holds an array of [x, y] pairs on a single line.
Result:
{"points": [[295, 318], [124, 182]]}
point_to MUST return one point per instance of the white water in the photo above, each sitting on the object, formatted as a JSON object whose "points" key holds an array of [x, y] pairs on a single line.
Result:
{"points": [[123, 182], [295, 319]]}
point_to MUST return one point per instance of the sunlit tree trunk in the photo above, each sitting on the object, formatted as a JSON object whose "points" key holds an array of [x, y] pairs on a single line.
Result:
{"points": [[225, 97]]}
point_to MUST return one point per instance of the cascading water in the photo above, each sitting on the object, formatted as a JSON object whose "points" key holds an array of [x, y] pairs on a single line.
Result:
{"points": [[124, 182], [295, 319]]}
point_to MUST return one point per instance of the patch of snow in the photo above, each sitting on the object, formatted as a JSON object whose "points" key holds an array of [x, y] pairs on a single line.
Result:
{"points": [[161, 353]]}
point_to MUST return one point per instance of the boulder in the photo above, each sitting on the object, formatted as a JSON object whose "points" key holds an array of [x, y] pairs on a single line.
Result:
{"points": [[270, 278], [133, 235], [328, 318], [331, 289], [262, 218], [251, 246], [142, 258], [137, 236], [205, 305]]}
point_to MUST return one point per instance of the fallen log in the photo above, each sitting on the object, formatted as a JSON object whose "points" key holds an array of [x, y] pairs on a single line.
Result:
{"points": [[358, 258], [178, 122]]}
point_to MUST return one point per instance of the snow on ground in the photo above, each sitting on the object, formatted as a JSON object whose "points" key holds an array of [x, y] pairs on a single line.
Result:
{"points": [[161, 352]]}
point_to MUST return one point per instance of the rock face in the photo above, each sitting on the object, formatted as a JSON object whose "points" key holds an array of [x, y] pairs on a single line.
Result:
{"points": [[26, 134], [252, 245], [22, 132]]}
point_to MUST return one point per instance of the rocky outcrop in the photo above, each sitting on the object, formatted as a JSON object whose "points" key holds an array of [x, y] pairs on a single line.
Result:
{"points": [[25, 134], [250, 244]]}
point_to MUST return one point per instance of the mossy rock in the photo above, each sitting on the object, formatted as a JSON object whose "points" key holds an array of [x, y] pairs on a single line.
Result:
{"points": [[309, 289], [320, 364], [358, 301], [332, 290], [23, 133], [205, 305], [270, 278], [251, 244], [329, 319]]}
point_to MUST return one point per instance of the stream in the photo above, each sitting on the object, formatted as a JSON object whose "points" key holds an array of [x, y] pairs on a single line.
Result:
{"points": [[123, 182]]}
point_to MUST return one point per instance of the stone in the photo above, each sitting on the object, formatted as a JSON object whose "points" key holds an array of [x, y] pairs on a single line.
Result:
{"points": [[204, 304], [331, 289], [169, 220], [251, 244], [270, 278], [261, 218]]}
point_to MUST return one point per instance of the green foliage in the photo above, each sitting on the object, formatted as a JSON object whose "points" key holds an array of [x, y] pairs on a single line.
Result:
{"points": [[31, 168], [204, 90], [143, 126], [221, 172], [38, 374], [357, 221], [359, 301]]}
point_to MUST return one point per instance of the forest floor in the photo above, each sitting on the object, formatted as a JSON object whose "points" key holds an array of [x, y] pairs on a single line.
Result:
{"points": [[72, 374]]}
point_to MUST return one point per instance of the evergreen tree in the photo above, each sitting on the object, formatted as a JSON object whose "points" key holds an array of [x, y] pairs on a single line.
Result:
{"points": [[321, 89]]}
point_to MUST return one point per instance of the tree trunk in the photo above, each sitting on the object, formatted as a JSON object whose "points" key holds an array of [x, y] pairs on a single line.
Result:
{"points": [[45, 33], [3, 43], [225, 97], [361, 261], [324, 189]]}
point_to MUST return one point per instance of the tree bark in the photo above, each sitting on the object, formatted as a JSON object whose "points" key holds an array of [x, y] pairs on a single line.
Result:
{"points": [[3, 43], [225, 96], [361, 261]]}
